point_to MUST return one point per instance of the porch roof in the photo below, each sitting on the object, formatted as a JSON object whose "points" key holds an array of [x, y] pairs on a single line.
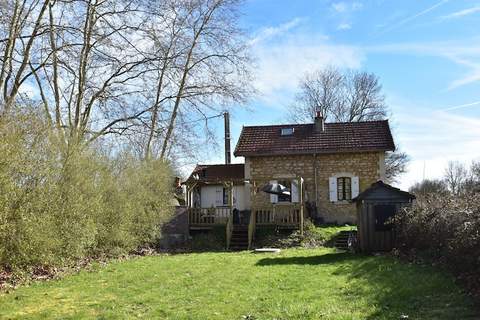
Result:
{"points": [[217, 173]]}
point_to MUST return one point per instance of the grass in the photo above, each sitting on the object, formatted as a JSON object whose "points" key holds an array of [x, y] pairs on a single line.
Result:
{"points": [[329, 232], [295, 284], [314, 236]]}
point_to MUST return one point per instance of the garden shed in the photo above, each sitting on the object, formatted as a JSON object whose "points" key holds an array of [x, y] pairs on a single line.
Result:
{"points": [[377, 207]]}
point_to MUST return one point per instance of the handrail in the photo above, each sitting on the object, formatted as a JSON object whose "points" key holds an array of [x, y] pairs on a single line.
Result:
{"points": [[251, 228], [289, 215], [229, 229], [208, 216]]}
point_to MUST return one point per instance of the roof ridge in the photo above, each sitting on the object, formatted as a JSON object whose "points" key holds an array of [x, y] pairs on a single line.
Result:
{"points": [[219, 164], [311, 123]]}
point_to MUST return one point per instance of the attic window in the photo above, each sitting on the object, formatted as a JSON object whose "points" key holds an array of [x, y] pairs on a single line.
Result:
{"points": [[287, 131]]}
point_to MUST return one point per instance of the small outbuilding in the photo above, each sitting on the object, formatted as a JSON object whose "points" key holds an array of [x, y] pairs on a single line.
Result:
{"points": [[377, 207]]}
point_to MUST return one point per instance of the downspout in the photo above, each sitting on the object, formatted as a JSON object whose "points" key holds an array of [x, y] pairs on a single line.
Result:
{"points": [[315, 178]]}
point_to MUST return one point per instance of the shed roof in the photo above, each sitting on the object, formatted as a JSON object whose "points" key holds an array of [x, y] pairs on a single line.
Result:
{"points": [[336, 138], [383, 191], [216, 173]]}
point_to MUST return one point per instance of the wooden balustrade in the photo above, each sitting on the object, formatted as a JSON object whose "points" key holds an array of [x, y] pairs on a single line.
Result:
{"points": [[208, 216], [283, 215]]}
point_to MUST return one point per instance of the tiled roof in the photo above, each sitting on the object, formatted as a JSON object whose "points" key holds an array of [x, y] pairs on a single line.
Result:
{"points": [[382, 185], [336, 138], [218, 172]]}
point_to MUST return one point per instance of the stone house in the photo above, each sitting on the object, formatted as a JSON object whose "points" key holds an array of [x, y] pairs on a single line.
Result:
{"points": [[336, 161], [322, 166]]}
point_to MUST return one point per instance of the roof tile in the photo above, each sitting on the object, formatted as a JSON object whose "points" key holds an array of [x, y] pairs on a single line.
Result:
{"points": [[336, 138]]}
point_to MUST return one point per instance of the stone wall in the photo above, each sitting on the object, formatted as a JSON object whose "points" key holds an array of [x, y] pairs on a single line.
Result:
{"points": [[175, 231], [367, 166]]}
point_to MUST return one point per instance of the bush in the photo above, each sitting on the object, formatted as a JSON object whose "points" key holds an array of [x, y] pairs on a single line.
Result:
{"points": [[60, 203], [447, 228]]}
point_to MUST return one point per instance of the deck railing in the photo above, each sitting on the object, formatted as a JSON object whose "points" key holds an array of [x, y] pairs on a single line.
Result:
{"points": [[281, 215], [208, 216]]}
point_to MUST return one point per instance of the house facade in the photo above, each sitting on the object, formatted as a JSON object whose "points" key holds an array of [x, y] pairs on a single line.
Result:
{"points": [[336, 161], [322, 165], [210, 186]]}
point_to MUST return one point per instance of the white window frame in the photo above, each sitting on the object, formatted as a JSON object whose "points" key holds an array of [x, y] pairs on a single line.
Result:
{"points": [[287, 131], [333, 187]]}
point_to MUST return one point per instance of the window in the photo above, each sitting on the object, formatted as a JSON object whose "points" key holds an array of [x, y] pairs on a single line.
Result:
{"points": [[287, 131], [285, 197], [344, 189], [383, 215], [225, 196]]}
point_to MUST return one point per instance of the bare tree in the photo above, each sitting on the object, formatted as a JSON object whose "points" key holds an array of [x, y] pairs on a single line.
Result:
{"points": [[341, 97], [204, 66], [427, 187], [472, 183], [456, 174], [395, 164], [348, 96], [153, 72], [22, 26]]}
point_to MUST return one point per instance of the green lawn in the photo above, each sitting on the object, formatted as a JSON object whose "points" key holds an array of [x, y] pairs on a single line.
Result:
{"points": [[295, 284]]}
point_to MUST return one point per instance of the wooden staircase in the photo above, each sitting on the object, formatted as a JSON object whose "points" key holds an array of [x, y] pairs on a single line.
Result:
{"points": [[239, 240], [344, 239]]}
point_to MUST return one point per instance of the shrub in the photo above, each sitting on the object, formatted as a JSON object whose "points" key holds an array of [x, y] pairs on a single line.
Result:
{"points": [[60, 203], [445, 227]]}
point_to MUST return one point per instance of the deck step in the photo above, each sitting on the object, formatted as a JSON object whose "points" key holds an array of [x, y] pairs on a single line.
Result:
{"points": [[239, 240], [342, 239]]}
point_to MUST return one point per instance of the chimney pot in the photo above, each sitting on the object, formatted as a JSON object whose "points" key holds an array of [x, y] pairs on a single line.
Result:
{"points": [[319, 122]]}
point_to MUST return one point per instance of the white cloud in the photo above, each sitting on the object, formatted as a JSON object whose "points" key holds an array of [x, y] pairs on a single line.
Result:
{"points": [[462, 106], [281, 64], [344, 26], [472, 76], [434, 138], [339, 6], [461, 13], [30, 90], [343, 6], [270, 32], [464, 54], [414, 16]]}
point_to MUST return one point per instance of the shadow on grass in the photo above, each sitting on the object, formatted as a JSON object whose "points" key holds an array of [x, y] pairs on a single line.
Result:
{"points": [[328, 258], [395, 288]]}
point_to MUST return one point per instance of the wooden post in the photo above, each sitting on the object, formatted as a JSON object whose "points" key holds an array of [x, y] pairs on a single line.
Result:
{"points": [[300, 183], [230, 196]]}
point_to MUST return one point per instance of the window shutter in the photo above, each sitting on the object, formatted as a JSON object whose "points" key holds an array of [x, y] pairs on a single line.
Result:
{"points": [[295, 196], [355, 187], [273, 197], [333, 189], [219, 197]]}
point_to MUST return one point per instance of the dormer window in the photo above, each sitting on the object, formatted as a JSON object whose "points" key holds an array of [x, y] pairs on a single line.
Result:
{"points": [[287, 131]]}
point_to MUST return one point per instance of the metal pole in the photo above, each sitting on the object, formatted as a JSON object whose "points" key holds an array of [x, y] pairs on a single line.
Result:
{"points": [[228, 156]]}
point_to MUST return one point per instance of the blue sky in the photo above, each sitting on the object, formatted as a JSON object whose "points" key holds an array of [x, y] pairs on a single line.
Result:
{"points": [[426, 53]]}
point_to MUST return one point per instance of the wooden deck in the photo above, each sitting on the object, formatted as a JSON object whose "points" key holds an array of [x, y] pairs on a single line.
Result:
{"points": [[280, 216]]}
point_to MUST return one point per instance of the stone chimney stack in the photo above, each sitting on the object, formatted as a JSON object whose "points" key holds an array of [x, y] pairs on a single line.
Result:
{"points": [[319, 122]]}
